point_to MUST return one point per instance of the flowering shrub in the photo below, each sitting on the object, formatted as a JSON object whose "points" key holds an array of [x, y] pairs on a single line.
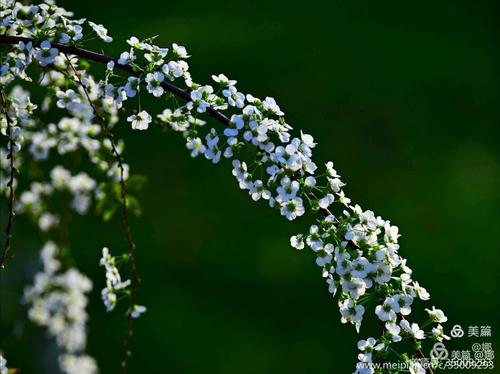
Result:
{"points": [[356, 250]]}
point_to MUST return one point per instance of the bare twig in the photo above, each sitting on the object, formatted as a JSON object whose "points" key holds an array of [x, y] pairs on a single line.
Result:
{"points": [[10, 183], [135, 278]]}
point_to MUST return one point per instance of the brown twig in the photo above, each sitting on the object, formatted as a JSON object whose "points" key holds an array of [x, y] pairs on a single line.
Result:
{"points": [[135, 278], [10, 184], [103, 59], [421, 355]]}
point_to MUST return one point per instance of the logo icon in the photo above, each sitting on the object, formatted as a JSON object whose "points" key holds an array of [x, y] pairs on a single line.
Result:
{"points": [[439, 352], [457, 331]]}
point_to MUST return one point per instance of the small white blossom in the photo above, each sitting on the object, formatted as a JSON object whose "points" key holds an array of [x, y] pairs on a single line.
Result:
{"points": [[101, 31], [3, 365], [297, 241], [140, 121], [46, 54], [385, 311], [196, 146], [412, 329], [137, 311], [154, 84], [436, 315], [179, 51]]}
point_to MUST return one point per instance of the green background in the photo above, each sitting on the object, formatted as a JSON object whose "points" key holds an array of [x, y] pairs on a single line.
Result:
{"points": [[404, 97]]}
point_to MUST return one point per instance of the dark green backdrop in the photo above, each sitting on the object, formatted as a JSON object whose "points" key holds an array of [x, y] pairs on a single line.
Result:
{"points": [[403, 97]]}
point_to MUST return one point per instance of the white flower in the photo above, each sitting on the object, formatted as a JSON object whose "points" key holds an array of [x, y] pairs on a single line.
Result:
{"points": [[416, 368], [3, 365], [355, 287], [335, 184], [199, 98], [310, 181], [288, 189], [132, 86], [114, 283], [351, 312], [115, 172], [344, 199], [77, 364], [270, 104], [137, 311], [154, 84], [196, 146], [140, 121], [179, 51], [297, 241], [401, 304], [212, 151], [413, 329], [234, 98], [176, 69], [370, 345], [361, 267], [47, 221], [307, 139], [326, 201], [257, 191], [292, 208], [325, 255], [394, 331], [126, 57], [46, 54], [438, 333], [135, 43], [385, 311], [314, 240], [101, 32], [67, 98], [421, 292], [332, 284], [223, 80], [436, 315], [57, 301], [330, 170]]}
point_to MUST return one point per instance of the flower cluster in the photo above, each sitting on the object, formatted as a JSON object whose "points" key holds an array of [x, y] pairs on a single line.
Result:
{"points": [[356, 250], [114, 284], [57, 301], [79, 187]]}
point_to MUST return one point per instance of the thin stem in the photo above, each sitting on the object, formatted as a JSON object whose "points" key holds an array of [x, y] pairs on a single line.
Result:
{"points": [[10, 184], [421, 355], [135, 278]]}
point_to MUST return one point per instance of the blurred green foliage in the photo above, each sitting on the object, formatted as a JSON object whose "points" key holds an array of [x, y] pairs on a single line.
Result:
{"points": [[403, 97]]}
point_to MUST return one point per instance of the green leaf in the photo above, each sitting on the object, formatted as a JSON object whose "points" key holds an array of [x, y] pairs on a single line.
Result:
{"points": [[135, 183], [108, 214]]}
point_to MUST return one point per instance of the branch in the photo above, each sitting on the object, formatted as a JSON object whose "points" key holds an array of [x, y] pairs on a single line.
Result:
{"points": [[103, 59], [135, 278], [10, 184], [176, 91]]}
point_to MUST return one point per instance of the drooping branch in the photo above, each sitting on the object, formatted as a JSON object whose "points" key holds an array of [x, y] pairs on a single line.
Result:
{"points": [[10, 183], [135, 278], [185, 95]]}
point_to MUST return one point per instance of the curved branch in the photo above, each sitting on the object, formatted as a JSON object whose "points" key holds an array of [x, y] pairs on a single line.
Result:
{"points": [[169, 87], [10, 183]]}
